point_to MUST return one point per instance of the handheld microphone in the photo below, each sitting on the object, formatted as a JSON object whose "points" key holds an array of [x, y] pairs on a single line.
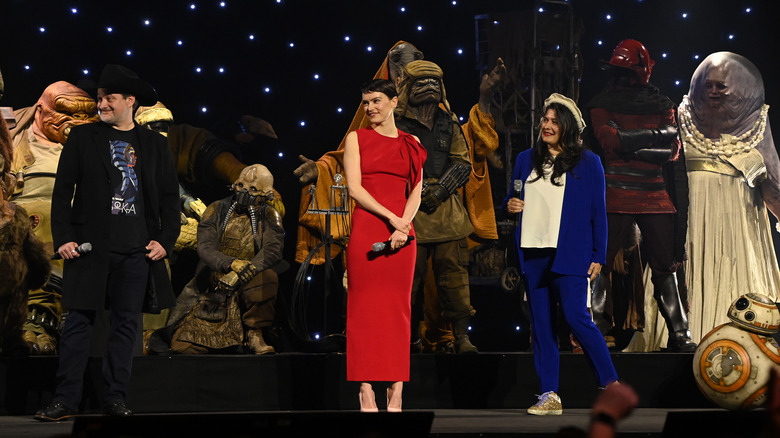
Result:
{"points": [[518, 185], [81, 249], [380, 246]]}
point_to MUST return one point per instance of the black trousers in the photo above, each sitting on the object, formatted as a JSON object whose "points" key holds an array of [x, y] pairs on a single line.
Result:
{"points": [[125, 289], [657, 240]]}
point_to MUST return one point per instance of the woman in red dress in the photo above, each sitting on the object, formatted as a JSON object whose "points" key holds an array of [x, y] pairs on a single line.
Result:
{"points": [[383, 167]]}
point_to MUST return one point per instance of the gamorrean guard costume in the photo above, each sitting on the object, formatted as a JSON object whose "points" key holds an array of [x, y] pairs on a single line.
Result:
{"points": [[646, 183], [38, 139]]}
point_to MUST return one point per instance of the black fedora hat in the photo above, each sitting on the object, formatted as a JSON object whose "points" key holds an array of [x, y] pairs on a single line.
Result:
{"points": [[119, 79]]}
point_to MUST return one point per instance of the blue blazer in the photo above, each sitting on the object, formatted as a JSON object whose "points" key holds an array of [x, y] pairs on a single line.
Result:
{"points": [[582, 238]]}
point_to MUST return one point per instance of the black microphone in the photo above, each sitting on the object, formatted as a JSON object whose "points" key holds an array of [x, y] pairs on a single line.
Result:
{"points": [[81, 249], [518, 185], [380, 246]]}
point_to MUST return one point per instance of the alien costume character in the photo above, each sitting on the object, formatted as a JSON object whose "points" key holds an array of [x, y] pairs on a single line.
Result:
{"points": [[38, 140], [479, 132], [636, 128], [231, 299], [442, 223], [734, 177], [201, 159], [25, 263]]}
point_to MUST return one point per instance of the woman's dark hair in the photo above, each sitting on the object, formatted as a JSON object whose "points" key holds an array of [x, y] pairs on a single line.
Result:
{"points": [[570, 143], [385, 86]]}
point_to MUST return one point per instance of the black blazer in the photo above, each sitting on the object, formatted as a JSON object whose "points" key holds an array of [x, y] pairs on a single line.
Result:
{"points": [[83, 177]]}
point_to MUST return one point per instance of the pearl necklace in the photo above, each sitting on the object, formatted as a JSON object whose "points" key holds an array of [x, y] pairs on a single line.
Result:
{"points": [[728, 145]]}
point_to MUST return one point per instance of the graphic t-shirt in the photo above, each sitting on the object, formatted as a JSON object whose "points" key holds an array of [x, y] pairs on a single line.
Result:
{"points": [[128, 227]]}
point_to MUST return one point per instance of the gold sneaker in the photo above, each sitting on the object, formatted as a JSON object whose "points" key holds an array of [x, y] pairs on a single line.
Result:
{"points": [[549, 404]]}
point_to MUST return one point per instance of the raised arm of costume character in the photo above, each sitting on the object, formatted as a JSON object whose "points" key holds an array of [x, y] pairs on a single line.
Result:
{"points": [[598, 216], [361, 195], [491, 81]]}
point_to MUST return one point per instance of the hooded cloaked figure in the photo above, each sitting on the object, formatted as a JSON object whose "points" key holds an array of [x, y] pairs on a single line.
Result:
{"points": [[733, 177]]}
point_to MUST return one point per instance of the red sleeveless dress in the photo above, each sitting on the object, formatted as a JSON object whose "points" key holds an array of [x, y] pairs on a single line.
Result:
{"points": [[379, 285]]}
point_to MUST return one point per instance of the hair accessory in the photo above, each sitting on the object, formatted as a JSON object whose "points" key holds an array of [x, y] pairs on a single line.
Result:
{"points": [[568, 103]]}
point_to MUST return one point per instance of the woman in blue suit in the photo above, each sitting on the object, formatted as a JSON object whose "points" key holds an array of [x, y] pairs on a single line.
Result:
{"points": [[561, 240]]}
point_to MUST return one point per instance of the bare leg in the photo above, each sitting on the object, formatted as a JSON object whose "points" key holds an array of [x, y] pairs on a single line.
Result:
{"points": [[394, 393], [367, 398]]}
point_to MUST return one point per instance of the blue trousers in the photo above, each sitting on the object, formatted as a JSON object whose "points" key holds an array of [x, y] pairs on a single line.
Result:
{"points": [[543, 287], [125, 291]]}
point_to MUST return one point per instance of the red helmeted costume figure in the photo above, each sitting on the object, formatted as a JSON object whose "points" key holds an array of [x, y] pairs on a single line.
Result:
{"points": [[646, 184]]}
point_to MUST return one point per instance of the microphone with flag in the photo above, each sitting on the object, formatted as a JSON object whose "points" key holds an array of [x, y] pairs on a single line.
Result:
{"points": [[380, 246], [81, 249]]}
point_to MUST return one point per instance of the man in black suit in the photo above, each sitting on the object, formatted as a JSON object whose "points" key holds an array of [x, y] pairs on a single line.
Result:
{"points": [[124, 193]]}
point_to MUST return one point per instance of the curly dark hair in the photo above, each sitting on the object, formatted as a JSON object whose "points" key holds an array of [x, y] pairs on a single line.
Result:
{"points": [[570, 142]]}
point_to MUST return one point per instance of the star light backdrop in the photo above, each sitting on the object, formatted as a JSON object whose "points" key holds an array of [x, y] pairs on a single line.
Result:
{"points": [[298, 64]]}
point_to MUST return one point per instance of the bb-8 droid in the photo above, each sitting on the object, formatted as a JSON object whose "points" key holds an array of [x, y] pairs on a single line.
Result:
{"points": [[732, 362]]}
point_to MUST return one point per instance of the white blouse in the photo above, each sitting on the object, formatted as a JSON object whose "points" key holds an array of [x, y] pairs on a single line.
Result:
{"points": [[542, 211]]}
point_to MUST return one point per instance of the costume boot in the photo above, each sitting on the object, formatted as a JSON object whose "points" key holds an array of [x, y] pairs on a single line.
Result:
{"points": [[460, 330], [602, 291], [670, 306], [255, 341]]}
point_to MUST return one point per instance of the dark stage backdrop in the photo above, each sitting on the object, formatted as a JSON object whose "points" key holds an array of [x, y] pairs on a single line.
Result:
{"points": [[298, 64]]}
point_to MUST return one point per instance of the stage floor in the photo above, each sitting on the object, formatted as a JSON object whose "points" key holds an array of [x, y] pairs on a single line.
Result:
{"points": [[446, 423]]}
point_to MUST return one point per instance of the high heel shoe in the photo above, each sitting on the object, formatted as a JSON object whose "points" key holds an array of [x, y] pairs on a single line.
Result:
{"points": [[391, 408], [365, 409]]}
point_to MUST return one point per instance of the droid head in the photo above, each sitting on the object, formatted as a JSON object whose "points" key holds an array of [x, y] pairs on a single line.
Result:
{"points": [[756, 313]]}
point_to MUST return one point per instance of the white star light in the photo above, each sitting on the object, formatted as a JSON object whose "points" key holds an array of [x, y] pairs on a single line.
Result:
{"points": [[267, 90], [179, 42], [198, 70], [251, 37], [109, 29], [41, 29], [147, 22], [419, 28], [74, 11], [204, 110], [85, 71], [26, 67], [346, 38], [316, 76], [128, 52]]}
